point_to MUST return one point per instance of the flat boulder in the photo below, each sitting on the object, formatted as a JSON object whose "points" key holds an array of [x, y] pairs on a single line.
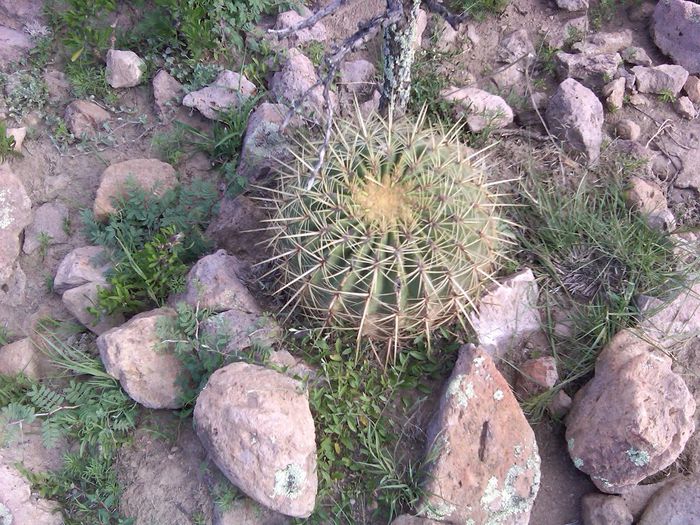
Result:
{"points": [[480, 108], [151, 175], [229, 91], [676, 503], [80, 302], [81, 265], [593, 71], [257, 427], [632, 419], [675, 29], [85, 119], [15, 215], [18, 506], [47, 227], [134, 354], [486, 466], [660, 79], [575, 116]]}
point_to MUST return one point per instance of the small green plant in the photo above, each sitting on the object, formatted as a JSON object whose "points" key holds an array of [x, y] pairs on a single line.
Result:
{"points": [[89, 81], [394, 239], [44, 243], [666, 95], [478, 9], [26, 91], [602, 13], [428, 81], [7, 145], [546, 62], [315, 51]]}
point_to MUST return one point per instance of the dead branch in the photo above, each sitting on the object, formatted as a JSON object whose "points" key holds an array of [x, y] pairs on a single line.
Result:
{"points": [[310, 21], [451, 18]]}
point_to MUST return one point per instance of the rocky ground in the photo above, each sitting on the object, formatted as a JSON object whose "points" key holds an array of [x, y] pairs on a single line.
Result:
{"points": [[572, 83]]}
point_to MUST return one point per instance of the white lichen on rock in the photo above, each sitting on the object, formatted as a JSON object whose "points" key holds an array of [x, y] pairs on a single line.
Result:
{"points": [[639, 457], [5, 515], [289, 481], [478, 361], [6, 218], [498, 395], [438, 511], [462, 390], [578, 463]]}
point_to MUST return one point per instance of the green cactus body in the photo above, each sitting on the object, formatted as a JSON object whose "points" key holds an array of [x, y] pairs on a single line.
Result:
{"points": [[397, 235]]}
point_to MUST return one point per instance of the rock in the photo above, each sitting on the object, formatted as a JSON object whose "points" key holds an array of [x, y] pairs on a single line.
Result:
{"points": [[132, 354], [573, 5], [47, 228], [667, 325], [17, 504], [266, 144], [124, 69], [628, 129], [13, 289], [358, 77], [615, 94], [21, 357], [630, 79], [486, 466], [298, 75], [559, 37], [632, 419], [684, 107], [599, 509], [27, 448], [84, 119], [238, 229], [637, 499], [516, 46], [692, 89], [80, 266], [229, 91], [294, 367], [257, 427], [57, 86], [648, 198], [151, 175], [560, 404], [593, 71], [407, 519], [446, 37], [481, 108], [215, 283], [677, 503], [15, 215], [536, 376], [245, 511], [636, 56], [167, 91], [288, 19], [599, 43], [507, 314], [676, 30], [14, 45], [575, 116], [243, 330], [421, 24], [77, 300], [660, 79], [688, 176], [19, 134]]}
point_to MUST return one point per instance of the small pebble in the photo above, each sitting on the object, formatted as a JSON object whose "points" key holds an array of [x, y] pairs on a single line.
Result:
{"points": [[627, 129]]}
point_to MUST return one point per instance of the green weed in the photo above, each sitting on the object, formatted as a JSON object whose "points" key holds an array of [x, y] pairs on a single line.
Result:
{"points": [[26, 91], [602, 13], [4, 336], [44, 243], [478, 9], [7, 145], [88, 81], [666, 95], [427, 83]]}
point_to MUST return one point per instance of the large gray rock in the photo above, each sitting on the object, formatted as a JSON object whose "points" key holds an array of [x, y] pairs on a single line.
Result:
{"points": [[151, 175], [632, 419], [229, 91], [134, 354], [480, 108], [85, 119], [17, 504], [47, 228], [601, 43], [575, 116], [82, 265], [487, 466], [676, 30], [81, 299], [257, 427], [677, 503], [660, 79], [593, 71], [15, 215], [124, 69]]}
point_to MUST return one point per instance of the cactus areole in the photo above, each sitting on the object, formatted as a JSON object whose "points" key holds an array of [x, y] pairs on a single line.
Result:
{"points": [[396, 237]]}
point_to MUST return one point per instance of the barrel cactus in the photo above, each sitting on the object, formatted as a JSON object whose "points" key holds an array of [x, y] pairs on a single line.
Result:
{"points": [[395, 238]]}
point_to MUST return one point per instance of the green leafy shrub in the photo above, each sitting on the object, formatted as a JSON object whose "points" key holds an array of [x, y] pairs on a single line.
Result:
{"points": [[7, 145], [396, 237]]}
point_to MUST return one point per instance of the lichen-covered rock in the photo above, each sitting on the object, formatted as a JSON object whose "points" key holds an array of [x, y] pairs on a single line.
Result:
{"points": [[124, 69], [632, 419], [407, 519], [602, 43], [229, 91], [85, 119], [480, 108], [507, 316], [593, 71], [573, 5], [516, 46], [676, 30], [214, 283], [15, 215], [575, 116], [660, 79], [266, 144], [47, 227], [134, 354], [82, 265], [600, 509], [80, 299], [167, 91], [17, 504], [151, 175], [677, 503], [486, 467], [257, 427]]}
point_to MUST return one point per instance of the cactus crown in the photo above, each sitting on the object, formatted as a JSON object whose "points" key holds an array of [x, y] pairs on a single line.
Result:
{"points": [[396, 237]]}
